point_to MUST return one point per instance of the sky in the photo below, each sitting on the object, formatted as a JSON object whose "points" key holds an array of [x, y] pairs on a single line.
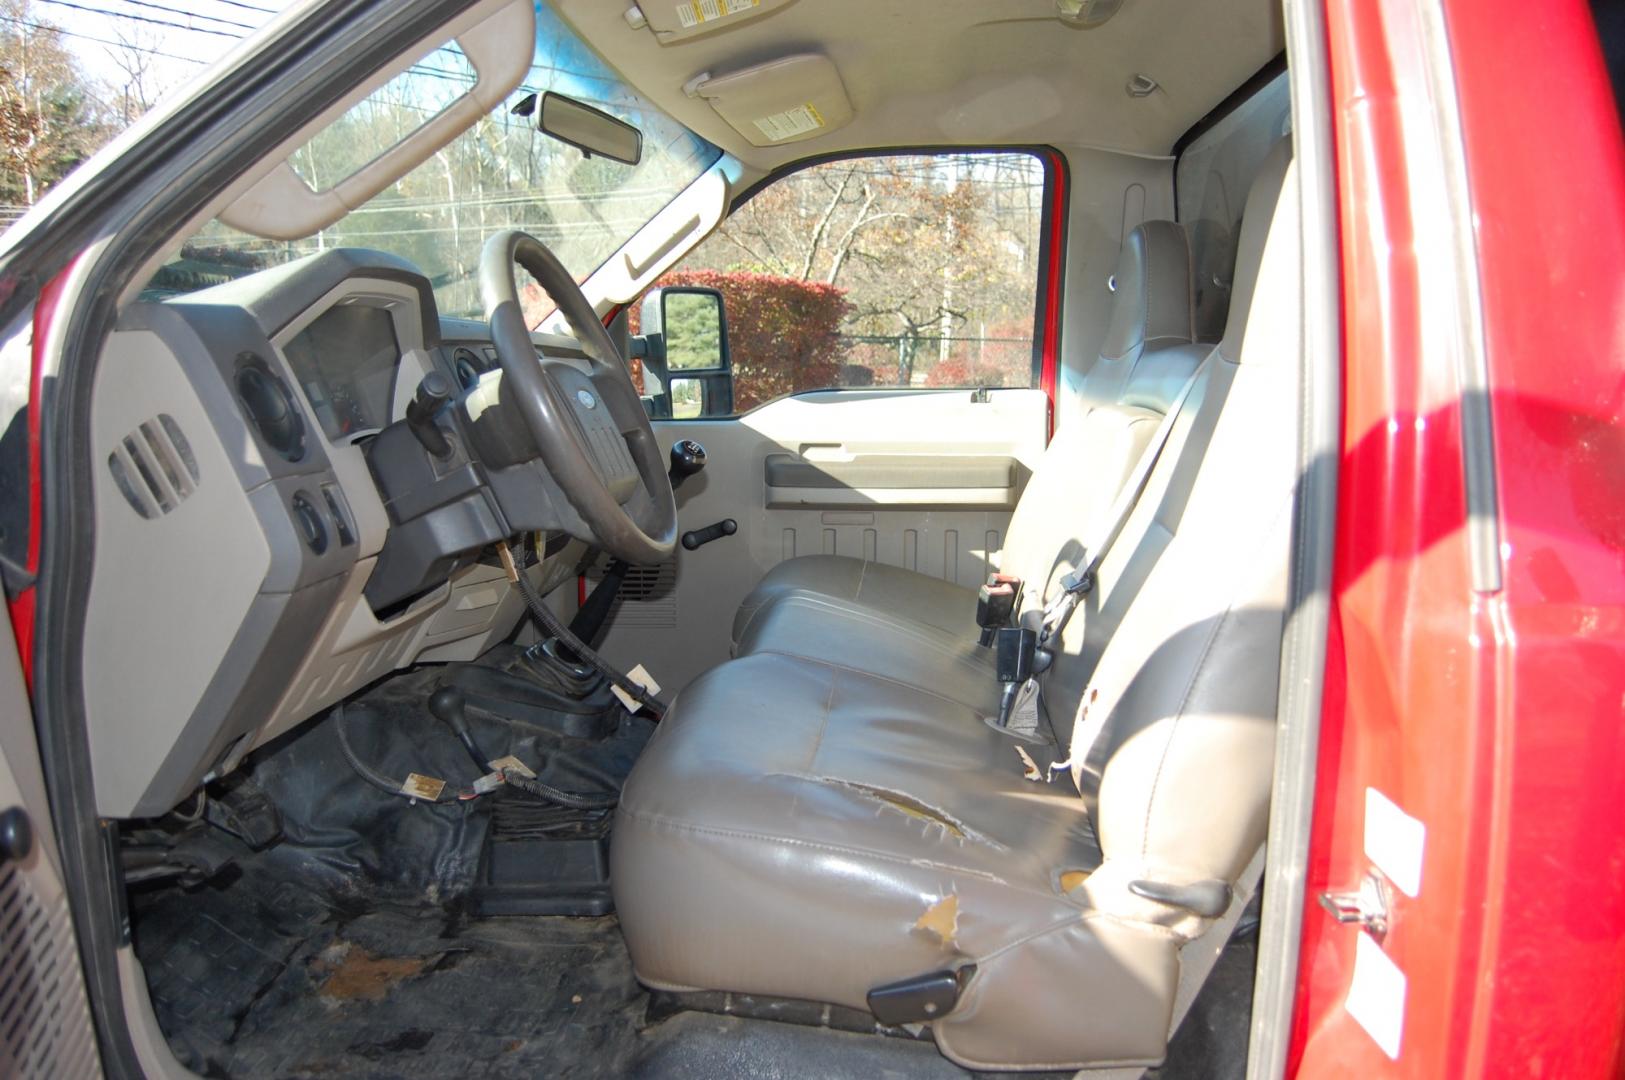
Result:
{"points": [[177, 37]]}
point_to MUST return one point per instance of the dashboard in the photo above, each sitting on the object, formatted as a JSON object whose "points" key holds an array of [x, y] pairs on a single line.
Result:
{"points": [[345, 362], [270, 536]]}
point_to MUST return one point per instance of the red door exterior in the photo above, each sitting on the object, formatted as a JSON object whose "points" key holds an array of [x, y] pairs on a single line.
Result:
{"points": [[1496, 716]]}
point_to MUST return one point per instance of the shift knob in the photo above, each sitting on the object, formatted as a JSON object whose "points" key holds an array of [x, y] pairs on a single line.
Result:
{"points": [[446, 705], [687, 458]]}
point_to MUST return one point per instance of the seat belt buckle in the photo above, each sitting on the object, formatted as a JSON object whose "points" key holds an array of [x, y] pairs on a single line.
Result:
{"points": [[996, 604], [1013, 650]]}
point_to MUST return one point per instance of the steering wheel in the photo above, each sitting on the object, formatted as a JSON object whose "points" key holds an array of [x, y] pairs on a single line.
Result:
{"points": [[590, 427]]}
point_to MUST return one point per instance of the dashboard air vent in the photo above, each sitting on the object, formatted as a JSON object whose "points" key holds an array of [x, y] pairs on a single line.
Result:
{"points": [[468, 365], [270, 406], [153, 467]]}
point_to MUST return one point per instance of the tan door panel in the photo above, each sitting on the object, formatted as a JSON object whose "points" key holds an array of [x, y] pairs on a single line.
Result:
{"points": [[922, 480]]}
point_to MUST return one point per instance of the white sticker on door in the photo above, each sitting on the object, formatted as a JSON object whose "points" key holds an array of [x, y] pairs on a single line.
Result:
{"points": [[790, 123], [1377, 995], [1394, 841]]}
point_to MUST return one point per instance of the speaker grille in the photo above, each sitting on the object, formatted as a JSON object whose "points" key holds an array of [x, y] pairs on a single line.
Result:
{"points": [[648, 596], [44, 1021]]}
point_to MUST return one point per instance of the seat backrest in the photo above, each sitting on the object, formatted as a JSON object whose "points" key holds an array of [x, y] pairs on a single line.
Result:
{"points": [[1141, 368], [1184, 692]]}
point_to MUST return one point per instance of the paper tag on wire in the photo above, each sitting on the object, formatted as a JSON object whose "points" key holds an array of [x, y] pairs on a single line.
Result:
{"points": [[511, 764], [427, 788], [488, 783], [643, 679], [1024, 714]]}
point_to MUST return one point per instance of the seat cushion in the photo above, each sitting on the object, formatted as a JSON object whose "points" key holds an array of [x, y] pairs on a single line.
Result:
{"points": [[901, 593], [863, 639], [882, 832]]}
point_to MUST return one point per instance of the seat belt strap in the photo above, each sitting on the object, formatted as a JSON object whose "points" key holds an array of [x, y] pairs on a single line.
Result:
{"points": [[1078, 583]]}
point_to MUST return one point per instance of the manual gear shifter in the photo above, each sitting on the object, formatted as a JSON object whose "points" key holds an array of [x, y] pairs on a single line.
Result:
{"points": [[446, 705], [687, 458]]}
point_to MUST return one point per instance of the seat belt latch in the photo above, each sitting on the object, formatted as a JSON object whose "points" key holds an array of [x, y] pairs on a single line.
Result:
{"points": [[1074, 587], [1078, 582], [996, 604]]}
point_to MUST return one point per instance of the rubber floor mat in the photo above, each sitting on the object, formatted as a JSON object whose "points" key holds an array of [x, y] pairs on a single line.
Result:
{"points": [[261, 979]]}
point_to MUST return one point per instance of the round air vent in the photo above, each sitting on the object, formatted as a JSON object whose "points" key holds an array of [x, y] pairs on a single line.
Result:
{"points": [[468, 367], [270, 407]]}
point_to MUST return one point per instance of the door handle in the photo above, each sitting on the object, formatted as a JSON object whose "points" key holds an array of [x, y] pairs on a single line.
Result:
{"points": [[1366, 906]]}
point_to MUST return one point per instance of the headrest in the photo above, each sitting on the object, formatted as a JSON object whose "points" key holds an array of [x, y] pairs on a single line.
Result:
{"points": [[1152, 305], [1256, 220]]}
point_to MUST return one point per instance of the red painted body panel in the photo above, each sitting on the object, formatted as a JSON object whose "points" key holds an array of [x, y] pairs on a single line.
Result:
{"points": [[21, 606], [1497, 719], [1057, 205]]}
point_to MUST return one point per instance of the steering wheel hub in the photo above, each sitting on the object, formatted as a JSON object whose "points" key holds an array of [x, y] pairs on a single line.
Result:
{"points": [[605, 459]]}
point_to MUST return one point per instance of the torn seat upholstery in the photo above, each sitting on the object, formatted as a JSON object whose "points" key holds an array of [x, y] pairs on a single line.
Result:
{"points": [[803, 829]]}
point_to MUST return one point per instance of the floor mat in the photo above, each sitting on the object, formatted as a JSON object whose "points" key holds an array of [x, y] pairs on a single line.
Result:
{"points": [[261, 979]]}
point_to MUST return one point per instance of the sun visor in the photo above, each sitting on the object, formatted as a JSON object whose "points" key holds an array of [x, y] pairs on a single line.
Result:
{"points": [[677, 20], [782, 101]]}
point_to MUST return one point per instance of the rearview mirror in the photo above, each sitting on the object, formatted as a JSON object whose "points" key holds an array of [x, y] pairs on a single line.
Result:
{"points": [[590, 130]]}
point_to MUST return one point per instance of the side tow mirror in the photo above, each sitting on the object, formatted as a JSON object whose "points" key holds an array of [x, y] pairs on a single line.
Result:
{"points": [[686, 330]]}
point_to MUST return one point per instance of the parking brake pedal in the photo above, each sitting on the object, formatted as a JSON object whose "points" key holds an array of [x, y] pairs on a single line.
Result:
{"points": [[242, 808]]}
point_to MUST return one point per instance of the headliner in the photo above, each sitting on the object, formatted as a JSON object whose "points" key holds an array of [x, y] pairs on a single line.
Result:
{"points": [[962, 72]]}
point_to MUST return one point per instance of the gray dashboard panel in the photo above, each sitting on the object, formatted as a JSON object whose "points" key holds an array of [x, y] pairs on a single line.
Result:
{"points": [[200, 615]]}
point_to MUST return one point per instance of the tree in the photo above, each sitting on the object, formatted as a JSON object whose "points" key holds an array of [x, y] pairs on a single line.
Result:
{"points": [[929, 250], [49, 121], [133, 56]]}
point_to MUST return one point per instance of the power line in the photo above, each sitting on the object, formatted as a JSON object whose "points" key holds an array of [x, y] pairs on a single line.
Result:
{"points": [[247, 7], [145, 19], [181, 11], [100, 41]]}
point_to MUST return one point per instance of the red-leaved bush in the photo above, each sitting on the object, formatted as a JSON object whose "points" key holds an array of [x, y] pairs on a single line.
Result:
{"points": [[1006, 359], [783, 333]]}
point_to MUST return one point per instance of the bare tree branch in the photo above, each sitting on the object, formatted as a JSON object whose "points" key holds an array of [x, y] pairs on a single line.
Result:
{"points": [[823, 223]]}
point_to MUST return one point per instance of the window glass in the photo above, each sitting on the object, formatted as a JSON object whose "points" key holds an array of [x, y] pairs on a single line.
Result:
{"points": [[916, 270], [501, 173], [1212, 178]]}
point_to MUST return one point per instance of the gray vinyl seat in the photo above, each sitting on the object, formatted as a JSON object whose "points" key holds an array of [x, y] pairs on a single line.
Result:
{"points": [[877, 830], [1152, 311], [910, 627]]}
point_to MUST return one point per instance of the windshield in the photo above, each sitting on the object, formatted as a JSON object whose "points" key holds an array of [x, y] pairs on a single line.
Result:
{"points": [[501, 173]]}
